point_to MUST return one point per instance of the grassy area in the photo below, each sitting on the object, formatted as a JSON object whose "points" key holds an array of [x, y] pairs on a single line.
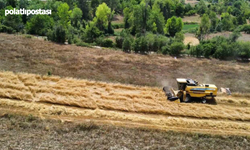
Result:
{"points": [[187, 27], [29, 132]]}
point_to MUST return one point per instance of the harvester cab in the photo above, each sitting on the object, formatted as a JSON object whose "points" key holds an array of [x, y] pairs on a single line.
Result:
{"points": [[189, 90]]}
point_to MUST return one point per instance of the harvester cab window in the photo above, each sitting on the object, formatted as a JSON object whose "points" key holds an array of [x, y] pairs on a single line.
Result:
{"points": [[182, 86], [191, 82]]}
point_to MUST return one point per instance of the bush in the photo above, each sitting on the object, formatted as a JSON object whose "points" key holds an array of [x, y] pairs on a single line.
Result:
{"points": [[110, 29], [246, 28], [176, 48], [83, 44], [119, 41], [126, 45], [244, 50], [72, 35], [118, 25], [91, 33], [165, 49], [124, 34], [39, 24], [224, 51], [58, 34], [191, 12], [6, 29], [140, 45], [104, 42]]}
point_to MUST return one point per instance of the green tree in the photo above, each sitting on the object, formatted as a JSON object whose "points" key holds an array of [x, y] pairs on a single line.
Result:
{"points": [[126, 14], [167, 7], [64, 14], [127, 45], [203, 28], [94, 4], [91, 32], [179, 11], [13, 21], [58, 34], [139, 17], [201, 8], [2, 4], [103, 13], [241, 20], [112, 4], [207, 50], [244, 51], [173, 26], [39, 24], [214, 21], [156, 20], [188, 7], [75, 16], [227, 22], [84, 5], [234, 36], [179, 37], [24, 4], [12, 3], [176, 48]]}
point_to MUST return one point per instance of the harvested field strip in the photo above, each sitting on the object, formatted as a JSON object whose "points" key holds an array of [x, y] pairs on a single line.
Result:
{"points": [[109, 96], [133, 119]]}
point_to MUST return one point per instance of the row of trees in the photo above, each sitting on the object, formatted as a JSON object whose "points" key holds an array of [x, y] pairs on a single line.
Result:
{"points": [[222, 48], [150, 25]]}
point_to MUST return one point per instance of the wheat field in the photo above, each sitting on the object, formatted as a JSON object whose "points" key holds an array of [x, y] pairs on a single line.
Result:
{"points": [[121, 104]]}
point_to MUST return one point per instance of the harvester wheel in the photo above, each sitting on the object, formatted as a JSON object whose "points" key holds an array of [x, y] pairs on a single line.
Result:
{"points": [[212, 101], [188, 99]]}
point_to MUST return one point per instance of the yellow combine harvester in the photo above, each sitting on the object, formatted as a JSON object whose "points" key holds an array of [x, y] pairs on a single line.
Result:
{"points": [[189, 90]]}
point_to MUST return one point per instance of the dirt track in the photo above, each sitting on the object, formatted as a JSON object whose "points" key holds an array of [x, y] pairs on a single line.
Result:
{"points": [[124, 105]]}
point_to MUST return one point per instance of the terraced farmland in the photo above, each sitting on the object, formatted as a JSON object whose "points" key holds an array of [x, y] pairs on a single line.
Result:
{"points": [[120, 104]]}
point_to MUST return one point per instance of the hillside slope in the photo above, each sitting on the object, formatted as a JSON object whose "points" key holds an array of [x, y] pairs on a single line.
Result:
{"points": [[20, 54]]}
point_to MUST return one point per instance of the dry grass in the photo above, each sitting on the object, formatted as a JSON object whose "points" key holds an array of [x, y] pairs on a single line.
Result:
{"points": [[112, 101], [195, 18], [29, 132], [191, 40], [118, 19]]}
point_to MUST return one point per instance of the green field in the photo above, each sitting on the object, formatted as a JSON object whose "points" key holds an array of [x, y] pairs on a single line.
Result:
{"points": [[189, 26]]}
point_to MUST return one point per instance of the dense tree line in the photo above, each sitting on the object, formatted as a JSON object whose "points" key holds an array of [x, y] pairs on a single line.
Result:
{"points": [[149, 25]]}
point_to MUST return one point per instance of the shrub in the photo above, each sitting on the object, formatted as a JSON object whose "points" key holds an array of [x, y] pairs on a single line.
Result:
{"points": [[176, 48], [124, 34], [119, 41], [91, 33], [246, 28], [244, 51], [83, 44], [72, 35], [191, 12], [165, 49], [39, 24], [104, 42], [140, 45], [224, 51], [118, 25], [57, 35], [110, 29], [126, 45], [7, 29]]}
